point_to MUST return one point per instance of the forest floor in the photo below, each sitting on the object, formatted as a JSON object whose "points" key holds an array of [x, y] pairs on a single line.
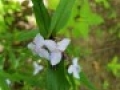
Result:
{"points": [[104, 49]]}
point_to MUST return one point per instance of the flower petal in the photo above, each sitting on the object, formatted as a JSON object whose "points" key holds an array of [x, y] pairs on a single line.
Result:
{"points": [[62, 45], [43, 53], [39, 40], [74, 68], [37, 68], [32, 46], [76, 75], [51, 45], [70, 69], [75, 61], [55, 58]]}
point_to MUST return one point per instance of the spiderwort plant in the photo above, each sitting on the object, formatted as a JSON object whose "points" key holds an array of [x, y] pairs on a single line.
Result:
{"points": [[45, 46], [57, 74]]}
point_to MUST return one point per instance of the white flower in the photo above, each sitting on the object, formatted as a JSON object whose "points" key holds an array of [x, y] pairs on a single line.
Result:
{"points": [[49, 49], [37, 47], [56, 49], [74, 68], [37, 68], [8, 82]]}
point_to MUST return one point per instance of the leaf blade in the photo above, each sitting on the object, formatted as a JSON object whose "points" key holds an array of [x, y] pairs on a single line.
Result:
{"points": [[61, 15], [85, 81], [42, 16], [56, 79]]}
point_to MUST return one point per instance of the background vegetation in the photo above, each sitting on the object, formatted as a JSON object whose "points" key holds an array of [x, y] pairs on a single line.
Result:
{"points": [[94, 27]]}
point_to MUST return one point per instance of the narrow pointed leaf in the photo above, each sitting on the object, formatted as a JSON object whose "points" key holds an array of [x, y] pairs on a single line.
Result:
{"points": [[56, 79], [25, 35], [61, 15], [88, 16], [72, 82], [86, 82], [42, 16]]}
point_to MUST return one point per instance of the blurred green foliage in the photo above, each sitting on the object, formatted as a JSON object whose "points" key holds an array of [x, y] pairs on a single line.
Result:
{"points": [[7, 9], [2, 23], [114, 66], [82, 19], [16, 55]]}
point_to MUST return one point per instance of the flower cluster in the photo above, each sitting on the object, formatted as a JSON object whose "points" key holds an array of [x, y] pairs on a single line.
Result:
{"points": [[48, 49], [52, 51]]}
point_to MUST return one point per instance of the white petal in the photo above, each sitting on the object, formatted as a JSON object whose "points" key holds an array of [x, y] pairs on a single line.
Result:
{"points": [[8, 82], [32, 46], [76, 71], [55, 58], [74, 68], [43, 53], [39, 40], [75, 61], [37, 68], [51, 45], [70, 69], [76, 75], [62, 45]]}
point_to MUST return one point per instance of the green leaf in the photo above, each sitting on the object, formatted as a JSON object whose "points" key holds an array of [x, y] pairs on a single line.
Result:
{"points": [[81, 29], [56, 79], [61, 15], [3, 83], [88, 16], [85, 9], [1, 8], [42, 17], [87, 19], [72, 82], [52, 4], [94, 19], [30, 80], [86, 82], [25, 35], [19, 35], [1, 61], [2, 22], [114, 66], [104, 2]]}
